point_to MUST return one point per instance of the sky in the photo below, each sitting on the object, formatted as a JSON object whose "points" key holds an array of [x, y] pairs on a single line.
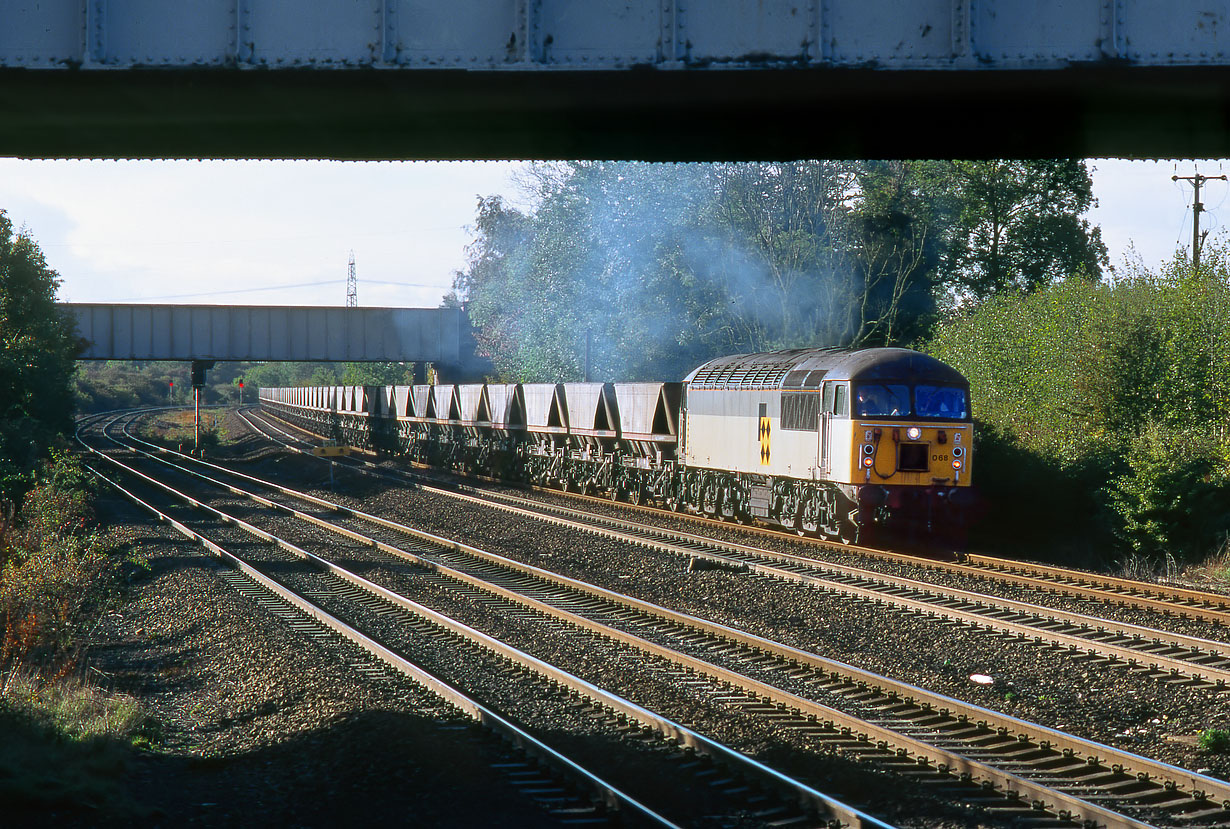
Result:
{"points": [[1141, 207], [253, 233], [281, 232]]}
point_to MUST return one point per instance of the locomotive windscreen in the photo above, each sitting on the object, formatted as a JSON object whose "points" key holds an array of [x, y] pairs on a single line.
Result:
{"points": [[902, 400], [883, 400], [940, 401]]}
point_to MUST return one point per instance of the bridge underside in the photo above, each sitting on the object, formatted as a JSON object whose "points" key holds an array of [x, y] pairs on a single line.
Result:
{"points": [[633, 79], [1103, 109]]}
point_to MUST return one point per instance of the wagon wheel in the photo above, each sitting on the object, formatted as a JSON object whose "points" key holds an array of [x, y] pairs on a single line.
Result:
{"points": [[848, 532], [675, 497], [787, 507], [792, 511], [729, 510], [743, 511], [564, 484], [740, 510], [635, 493], [809, 515], [710, 499]]}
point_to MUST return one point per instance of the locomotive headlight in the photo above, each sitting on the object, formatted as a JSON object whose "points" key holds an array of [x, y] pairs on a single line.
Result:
{"points": [[868, 449], [957, 464], [913, 433], [957, 451], [867, 461]]}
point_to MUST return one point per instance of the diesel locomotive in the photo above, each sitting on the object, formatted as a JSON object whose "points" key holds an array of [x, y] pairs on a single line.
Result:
{"points": [[851, 445]]}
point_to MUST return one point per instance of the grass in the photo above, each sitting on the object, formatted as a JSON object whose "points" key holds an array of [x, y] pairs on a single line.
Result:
{"points": [[1145, 568], [73, 709], [177, 427], [1215, 740], [1215, 567], [66, 748]]}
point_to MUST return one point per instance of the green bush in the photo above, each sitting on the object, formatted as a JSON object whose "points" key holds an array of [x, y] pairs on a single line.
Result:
{"points": [[1030, 503], [1104, 410], [56, 571], [1215, 740], [65, 741], [72, 708], [65, 752], [38, 353], [1174, 497]]}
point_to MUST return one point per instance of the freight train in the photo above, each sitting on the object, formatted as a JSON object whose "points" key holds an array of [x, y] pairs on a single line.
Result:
{"points": [[851, 445]]}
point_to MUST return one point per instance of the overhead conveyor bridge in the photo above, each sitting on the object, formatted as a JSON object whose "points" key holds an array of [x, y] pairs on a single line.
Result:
{"points": [[441, 336]]}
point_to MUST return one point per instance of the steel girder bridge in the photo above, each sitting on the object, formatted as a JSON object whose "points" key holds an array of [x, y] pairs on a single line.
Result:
{"points": [[638, 79]]}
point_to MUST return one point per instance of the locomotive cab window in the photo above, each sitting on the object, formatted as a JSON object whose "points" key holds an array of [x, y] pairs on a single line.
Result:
{"points": [[840, 395], [940, 401], [883, 400]]}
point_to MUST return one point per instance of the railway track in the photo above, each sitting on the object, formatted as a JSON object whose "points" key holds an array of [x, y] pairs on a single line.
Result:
{"points": [[1181, 602], [903, 725], [1162, 655], [550, 769], [1169, 599], [762, 794]]}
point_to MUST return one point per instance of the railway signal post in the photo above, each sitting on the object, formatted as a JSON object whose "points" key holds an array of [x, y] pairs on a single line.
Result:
{"points": [[199, 367]]}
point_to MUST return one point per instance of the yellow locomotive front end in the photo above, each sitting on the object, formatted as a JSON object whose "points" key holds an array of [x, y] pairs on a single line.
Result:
{"points": [[910, 451], [912, 454]]}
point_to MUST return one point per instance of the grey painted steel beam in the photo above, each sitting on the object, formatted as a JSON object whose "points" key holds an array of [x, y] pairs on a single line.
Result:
{"points": [[559, 35], [649, 79], [275, 333]]}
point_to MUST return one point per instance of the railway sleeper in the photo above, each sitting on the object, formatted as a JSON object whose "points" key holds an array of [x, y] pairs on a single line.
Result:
{"points": [[861, 747]]}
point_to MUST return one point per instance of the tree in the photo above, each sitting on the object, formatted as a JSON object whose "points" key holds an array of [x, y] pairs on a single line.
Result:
{"points": [[38, 351], [491, 278], [652, 268], [1013, 225], [899, 243], [783, 260], [283, 375], [377, 374]]}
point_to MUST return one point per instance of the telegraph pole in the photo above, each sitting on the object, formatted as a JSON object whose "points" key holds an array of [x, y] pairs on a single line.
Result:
{"points": [[1196, 181], [1197, 207]]}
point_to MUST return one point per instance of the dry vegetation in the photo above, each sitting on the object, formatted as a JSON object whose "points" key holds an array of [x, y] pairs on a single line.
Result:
{"points": [[66, 739]]}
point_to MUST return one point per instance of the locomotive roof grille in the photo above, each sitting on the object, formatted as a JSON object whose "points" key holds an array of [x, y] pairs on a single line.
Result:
{"points": [[749, 378], [805, 368]]}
